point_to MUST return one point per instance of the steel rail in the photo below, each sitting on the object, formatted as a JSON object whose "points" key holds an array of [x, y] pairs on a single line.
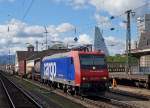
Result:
{"points": [[8, 96], [24, 92], [107, 101], [117, 102], [132, 95]]}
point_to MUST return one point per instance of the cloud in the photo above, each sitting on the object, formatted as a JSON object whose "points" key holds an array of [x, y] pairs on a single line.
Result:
{"points": [[16, 34], [116, 7], [122, 25], [113, 7], [85, 39], [102, 20], [65, 27], [76, 4], [82, 39], [115, 45]]}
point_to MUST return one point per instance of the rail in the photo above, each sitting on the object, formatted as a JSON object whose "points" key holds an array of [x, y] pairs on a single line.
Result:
{"points": [[17, 96]]}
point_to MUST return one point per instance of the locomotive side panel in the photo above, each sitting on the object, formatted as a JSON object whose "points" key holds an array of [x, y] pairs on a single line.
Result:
{"points": [[59, 70]]}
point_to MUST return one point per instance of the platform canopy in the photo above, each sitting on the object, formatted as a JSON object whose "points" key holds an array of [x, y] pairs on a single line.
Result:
{"points": [[140, 52]]}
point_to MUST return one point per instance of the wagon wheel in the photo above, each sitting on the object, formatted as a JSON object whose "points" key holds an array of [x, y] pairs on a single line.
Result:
{"points": [[146, 85]]}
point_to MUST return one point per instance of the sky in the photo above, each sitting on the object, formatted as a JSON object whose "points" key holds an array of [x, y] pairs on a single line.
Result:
{"points": [[24, 21]]}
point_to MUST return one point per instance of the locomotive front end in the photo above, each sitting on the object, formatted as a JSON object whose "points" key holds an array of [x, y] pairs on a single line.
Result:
{"points": [[94, 73]]}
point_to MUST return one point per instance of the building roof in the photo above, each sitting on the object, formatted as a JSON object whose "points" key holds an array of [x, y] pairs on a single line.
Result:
{"points": [[30, 46], [23, 55], [140, 52], [44, 53]]}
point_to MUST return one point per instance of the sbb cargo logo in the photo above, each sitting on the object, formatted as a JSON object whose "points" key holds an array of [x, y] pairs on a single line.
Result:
{"points": [[50, 70]]}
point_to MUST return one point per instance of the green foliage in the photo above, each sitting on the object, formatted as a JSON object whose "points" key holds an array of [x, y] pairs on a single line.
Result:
{"points": [[122, 59]]}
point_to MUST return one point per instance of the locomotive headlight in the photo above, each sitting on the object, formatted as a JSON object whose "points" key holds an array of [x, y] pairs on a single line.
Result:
{"points": [[83, 78], [104, 78], [94, 67]]}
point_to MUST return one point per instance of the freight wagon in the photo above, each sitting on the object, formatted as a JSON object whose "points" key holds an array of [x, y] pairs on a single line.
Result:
{"points": [[36, 73], [29, 68], [138, 80], [137, 77], [22, 68], [76, 71]]}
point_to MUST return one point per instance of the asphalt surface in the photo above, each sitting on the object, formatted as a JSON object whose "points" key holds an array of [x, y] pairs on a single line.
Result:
{"points": [[3, 98]]}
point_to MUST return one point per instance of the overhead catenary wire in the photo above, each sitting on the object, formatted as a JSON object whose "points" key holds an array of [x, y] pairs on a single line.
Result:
{"points": [[28, 9], [115, 16]]}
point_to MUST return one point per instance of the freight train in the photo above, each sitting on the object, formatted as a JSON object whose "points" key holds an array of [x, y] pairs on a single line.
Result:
{"points": [[76, 71]]}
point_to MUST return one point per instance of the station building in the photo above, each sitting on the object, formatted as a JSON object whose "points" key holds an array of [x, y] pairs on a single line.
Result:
{"points": [[142, 50]]}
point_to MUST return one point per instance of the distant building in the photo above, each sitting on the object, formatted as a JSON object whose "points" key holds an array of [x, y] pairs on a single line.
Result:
{"points": [[21, 56], [142, 51], [25, 60], [144, 41], [143, 24], [99, 42], [33, 62], [30, 48]]}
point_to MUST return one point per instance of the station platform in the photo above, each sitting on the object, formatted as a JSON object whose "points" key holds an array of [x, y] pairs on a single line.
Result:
{"points": [[135, 90]]}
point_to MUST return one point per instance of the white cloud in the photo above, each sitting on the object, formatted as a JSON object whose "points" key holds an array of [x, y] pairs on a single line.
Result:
{"points": [[85, 39], [82, 39], [122, 25], [34, 29], [3, 41], [20, 33], [116, 7], [103, 21], [115, 45], [99, 4], [65, 27], [76, 4], [113, 7]]}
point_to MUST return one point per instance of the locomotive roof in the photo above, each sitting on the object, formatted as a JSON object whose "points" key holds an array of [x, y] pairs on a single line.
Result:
{"points": [[59, 55], [67, 54], [44, 53]]}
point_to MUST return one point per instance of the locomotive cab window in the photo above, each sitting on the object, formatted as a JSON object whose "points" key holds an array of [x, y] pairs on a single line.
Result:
{"points": [[88, 61]]}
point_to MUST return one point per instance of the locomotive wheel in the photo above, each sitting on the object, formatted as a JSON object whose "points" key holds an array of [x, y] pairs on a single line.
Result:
{"points": [[77, 93], [72, 92], [146, 85], [54, 85], [65, 89]]}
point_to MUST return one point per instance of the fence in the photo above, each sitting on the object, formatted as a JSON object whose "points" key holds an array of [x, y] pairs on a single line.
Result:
{"points": [[116, 67], [121, 67]]}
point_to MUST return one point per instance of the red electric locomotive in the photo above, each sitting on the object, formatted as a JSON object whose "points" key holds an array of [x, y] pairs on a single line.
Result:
{"points": [[76, 71], [90, 70]]}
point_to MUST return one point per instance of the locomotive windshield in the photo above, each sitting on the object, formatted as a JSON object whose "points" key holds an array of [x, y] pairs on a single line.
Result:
{"points": [[88, 61]]}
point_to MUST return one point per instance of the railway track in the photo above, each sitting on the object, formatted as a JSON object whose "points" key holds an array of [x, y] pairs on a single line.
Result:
{"points": [[109, 102], [129, 94], [17, 97], [101, 101]]}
